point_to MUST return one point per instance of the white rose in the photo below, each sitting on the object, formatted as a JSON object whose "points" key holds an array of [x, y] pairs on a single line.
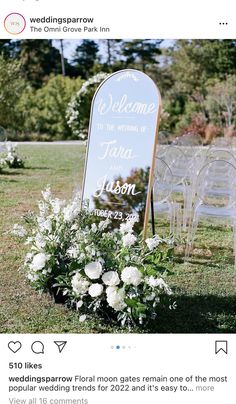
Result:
{"points": [[129, 240], [115, 298], [131, 276], [79, 284], [93, 270], [111, 278], [39, 262], [95, 290]]}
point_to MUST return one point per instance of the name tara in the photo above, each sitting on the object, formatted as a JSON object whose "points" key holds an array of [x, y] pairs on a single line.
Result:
{"points": [[115, 152]]}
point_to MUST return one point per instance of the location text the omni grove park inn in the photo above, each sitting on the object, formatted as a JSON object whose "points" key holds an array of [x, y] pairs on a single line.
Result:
{"points": [[65, 28]]}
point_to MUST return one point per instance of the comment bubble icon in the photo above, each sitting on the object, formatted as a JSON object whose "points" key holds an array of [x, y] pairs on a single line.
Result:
{"points": [[37, 347]]}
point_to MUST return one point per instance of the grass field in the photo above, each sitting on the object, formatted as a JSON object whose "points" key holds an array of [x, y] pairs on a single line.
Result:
{"points": [[205, 289]]}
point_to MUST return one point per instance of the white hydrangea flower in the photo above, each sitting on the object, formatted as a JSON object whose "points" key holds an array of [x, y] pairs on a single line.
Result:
{"points": [[32, 277], [103, 224], [95, 290], [80, 285], [43, 209], [47, 194], [45, 224], [39, 261], [19, 230], [39, 241], [111, 278], [71, 211], [131, 276], [127, 227], [153, 242], [28, 258], [158, 283], [115, 298], [93, 270], [57, 205], [72, 252], [129, 240], [94, 228]]}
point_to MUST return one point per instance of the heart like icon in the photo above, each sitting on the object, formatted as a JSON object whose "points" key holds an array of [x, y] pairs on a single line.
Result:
{"points": [[14, 346]]}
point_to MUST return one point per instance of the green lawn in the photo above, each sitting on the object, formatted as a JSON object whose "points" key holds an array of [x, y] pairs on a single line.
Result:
{"points": [[205, 289]]}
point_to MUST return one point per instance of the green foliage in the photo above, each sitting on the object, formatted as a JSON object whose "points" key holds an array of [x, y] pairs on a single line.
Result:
{"points": [[11, 88], [186, 71], [44, 110], [141, 53], [191, 65], [85, 57], [221, 101], [39, 59]]}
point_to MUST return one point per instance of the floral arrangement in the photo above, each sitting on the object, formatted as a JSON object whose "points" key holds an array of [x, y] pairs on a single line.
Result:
{"points": [[92, 267], [10, 158], [78, 111]]}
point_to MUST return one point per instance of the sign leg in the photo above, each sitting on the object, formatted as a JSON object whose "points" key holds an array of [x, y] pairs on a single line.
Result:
{"points": [[152, 214]]}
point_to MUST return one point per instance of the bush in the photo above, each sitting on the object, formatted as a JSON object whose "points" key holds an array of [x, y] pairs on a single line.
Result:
{"points": [[44, 110], [11, 158]]}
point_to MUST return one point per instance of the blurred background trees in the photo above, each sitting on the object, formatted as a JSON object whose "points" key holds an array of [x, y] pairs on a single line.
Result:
{"points": [[196, 77]]}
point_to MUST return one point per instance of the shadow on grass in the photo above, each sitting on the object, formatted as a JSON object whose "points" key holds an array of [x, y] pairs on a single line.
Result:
{"points": [[36, 168], [7, 180], [200, 259], [194, 314], [12, 172], [198, 314]]}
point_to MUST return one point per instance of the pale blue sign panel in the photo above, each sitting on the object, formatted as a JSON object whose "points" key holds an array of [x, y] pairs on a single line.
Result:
{"points": [[122, 139]]}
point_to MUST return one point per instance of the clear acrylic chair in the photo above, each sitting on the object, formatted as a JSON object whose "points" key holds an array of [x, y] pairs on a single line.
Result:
{"points": [[215, 198], [214, 153], [162, 196], [190, 143], [222, 142], [183, 171]]}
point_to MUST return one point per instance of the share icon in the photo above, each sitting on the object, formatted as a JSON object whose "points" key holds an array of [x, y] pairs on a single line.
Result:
{"points": [[60, 345]]}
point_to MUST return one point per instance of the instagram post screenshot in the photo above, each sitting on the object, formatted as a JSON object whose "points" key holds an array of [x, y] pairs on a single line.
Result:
{"points": [[117, 202]]}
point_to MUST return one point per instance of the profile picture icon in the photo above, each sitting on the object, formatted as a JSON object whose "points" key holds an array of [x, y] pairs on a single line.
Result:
{"points": [[15, 23]]}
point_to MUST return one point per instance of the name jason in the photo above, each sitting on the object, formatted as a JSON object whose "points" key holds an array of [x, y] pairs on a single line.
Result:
{"points": [[114, 187]]}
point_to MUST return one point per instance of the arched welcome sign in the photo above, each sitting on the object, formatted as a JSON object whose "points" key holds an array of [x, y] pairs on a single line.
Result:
{"points": [[121, 147]]}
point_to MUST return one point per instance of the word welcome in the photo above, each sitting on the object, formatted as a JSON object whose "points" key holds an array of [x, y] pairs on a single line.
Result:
{"points": [[124, 106]]}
